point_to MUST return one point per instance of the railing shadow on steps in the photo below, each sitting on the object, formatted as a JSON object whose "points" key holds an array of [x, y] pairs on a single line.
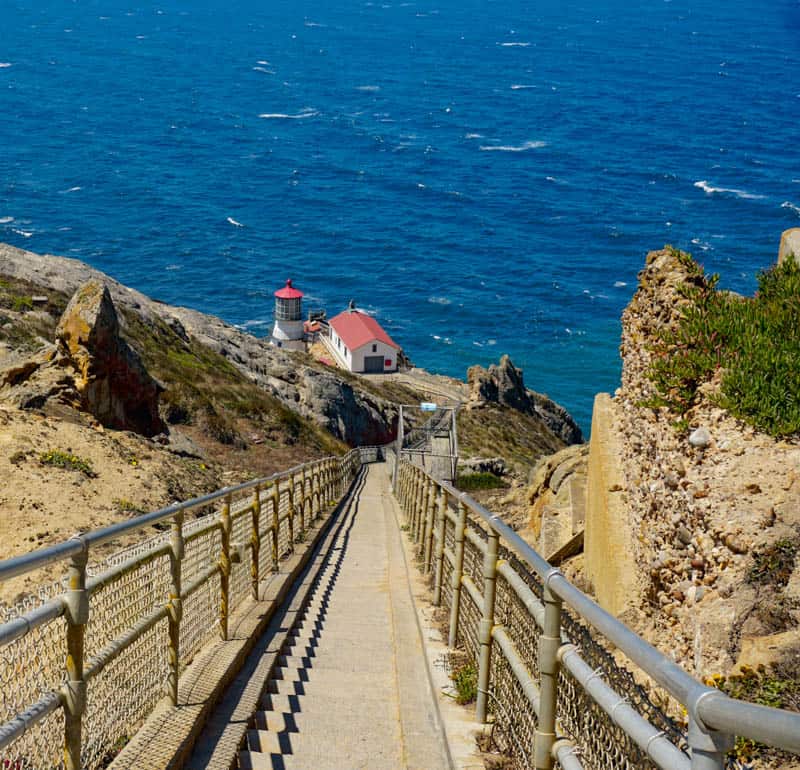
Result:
{"points": [[552, 694], [71, 689]]}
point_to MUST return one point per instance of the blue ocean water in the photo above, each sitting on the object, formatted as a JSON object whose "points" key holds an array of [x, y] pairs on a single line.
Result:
{"points": [[485, 176]]}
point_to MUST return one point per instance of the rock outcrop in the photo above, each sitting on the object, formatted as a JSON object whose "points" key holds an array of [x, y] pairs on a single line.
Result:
{"points": [[111, 380], [706, 503], [503, 384], [90, 367], [790, 244]]}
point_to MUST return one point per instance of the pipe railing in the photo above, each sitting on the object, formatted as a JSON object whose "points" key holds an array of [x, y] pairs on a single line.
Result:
{"points": [[537, 681], [128, 632]]}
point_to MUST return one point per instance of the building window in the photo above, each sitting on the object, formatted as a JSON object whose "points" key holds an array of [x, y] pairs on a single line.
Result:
{"points": [[374, 348]]}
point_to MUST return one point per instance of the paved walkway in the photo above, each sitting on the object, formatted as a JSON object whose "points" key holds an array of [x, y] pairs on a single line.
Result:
{"points": [[351, 689]]}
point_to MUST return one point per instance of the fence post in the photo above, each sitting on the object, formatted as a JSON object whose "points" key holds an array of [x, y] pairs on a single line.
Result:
{"points": [[549, 642], [225, 568], [442, 523], [707, 747], [458, 573], [74, 690], [487, 623], [317, 492], [276, 522], [176, 549], [431, 520], [255, 541], [416, 504], [290, 512], [423, 518]]}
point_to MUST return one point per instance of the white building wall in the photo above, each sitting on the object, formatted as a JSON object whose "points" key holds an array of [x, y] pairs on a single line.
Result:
{"points": [[354, 359], [381, 349]]}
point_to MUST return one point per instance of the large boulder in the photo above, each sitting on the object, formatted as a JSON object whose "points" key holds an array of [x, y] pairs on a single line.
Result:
{"points": [[790, 244], [111, 380], [503, 384]]}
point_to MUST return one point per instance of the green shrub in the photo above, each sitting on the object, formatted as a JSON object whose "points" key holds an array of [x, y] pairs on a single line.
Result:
{"points": [[20, 304], [753, 342], [484, 480], [59, 459], [465, 679]]}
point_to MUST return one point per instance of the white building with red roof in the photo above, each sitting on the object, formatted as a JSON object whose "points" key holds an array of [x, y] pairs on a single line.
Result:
{"points": [[360, 343]]}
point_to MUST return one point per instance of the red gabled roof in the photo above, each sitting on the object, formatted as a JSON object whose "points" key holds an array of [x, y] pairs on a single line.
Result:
{"points": [[357, 329], [288, 291]]}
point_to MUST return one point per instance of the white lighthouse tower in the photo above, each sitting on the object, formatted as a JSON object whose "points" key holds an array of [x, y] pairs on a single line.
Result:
{"points": [[288, 329]]}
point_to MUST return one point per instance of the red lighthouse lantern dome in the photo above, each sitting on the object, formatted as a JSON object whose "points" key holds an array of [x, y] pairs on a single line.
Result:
{"points": [[288, 291]]}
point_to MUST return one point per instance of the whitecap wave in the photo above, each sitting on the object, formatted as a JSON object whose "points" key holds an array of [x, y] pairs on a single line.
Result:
{"points": [[619, 284], [23, 233], [521, 86], [512, 147], [72, 189], [234, 222], [4, 65], [439, 300], [513, 45], [710, 190], [285, 116], [262, 61], [368, 88], [173, 267], [473, 136], [6, 220], [792, 206], [264, 69], [702, 244]]}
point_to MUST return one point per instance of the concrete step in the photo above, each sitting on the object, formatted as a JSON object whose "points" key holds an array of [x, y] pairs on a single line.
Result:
{"points": [[287, 704], [275, 721], [268, 742]]}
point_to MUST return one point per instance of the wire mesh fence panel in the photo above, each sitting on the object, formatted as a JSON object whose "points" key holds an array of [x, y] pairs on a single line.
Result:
{"points": [[603, 745], [201, 609], [473, 563], [39, 748], [31, 667], [123, 694], [240, 569], [447, 584], [284, 543], [469, 619], [514, 717], [123, 601], [265, 529], [521, 628]]}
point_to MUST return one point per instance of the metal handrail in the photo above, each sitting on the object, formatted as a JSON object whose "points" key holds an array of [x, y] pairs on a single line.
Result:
{"points": [[318, 483], [713, 717]]}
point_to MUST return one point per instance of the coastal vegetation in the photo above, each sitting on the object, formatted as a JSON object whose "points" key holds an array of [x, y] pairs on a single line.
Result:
{"points": [[748, 346], [481, 480]]}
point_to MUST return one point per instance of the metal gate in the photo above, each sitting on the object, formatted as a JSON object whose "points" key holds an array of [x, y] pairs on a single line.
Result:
{"points": [[373, 364]]}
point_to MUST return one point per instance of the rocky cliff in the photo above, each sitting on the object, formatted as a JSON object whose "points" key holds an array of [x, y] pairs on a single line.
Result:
{"points": [[712, 505]]}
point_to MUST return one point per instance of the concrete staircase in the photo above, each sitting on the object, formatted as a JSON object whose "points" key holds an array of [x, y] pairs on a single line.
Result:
{"points": [[348, 690]]}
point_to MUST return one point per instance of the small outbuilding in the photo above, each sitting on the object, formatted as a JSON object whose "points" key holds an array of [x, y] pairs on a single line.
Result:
{"points": [[360, 343]]}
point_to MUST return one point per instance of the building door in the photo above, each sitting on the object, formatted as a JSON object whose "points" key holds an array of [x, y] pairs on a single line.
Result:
{"points": [[373, 364]]}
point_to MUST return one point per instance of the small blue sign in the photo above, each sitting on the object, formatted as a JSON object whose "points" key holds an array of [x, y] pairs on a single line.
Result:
{"points": [[427, 406]]}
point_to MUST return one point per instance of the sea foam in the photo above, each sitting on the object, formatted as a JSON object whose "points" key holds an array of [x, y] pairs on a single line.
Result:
{"points": [[792, 206], [710, 190], [284, 116], [512, 147]]}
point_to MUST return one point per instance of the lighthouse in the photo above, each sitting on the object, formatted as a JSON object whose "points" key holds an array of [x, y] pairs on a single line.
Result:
{"points": [[288, 329]]}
